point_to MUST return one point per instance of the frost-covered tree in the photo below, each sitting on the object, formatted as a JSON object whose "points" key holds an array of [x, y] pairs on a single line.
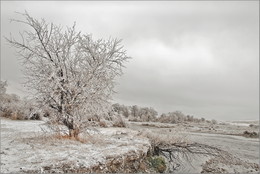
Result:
{"points": [[121, 109], [69, 71], [3, 85], [147, 114], [135, 111]]}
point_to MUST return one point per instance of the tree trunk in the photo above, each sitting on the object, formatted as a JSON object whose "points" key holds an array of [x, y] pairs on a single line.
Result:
{"points": [[74, 133]]}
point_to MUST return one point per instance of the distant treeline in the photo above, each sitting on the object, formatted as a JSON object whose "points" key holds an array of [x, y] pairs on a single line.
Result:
{"points": [[12, 106], [149, 114]]}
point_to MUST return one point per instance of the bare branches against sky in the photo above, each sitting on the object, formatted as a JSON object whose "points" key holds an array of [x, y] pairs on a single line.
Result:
{"points": [[198, 57]]}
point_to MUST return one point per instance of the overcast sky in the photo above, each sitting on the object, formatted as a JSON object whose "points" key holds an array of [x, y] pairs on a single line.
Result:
{"points": [[201, 57]]}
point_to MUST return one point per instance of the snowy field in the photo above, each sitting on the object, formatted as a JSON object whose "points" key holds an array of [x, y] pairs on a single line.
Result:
{"points": [[26, 148]]}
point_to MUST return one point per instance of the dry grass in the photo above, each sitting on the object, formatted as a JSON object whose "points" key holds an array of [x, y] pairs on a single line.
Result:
{"points": [[157, 139], [42, 138], [13, 115], [67, 137], [17, 116]]}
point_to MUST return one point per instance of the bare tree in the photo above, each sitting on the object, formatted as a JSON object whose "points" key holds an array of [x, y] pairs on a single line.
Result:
{"points": [[70, 72]]}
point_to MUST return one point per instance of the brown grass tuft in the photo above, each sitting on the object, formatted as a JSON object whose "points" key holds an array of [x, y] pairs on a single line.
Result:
{"points": [[67, 137]]}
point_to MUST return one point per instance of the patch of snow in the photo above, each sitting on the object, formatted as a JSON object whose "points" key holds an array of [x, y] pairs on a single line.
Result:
{"points": [[25, 148]]}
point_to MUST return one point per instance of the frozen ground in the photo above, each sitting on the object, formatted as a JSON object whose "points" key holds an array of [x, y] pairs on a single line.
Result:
{"points": [[227, 137], [223, 128], [24, 148], [244, 148]]}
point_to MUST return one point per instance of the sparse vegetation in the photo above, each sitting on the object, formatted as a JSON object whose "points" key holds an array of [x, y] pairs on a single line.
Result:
{"points": [[118, 121], [254, 126], [250, 134], [157, 163], [135, 113], [178, 151], [214, 121], [145, 114], [11, 106]]}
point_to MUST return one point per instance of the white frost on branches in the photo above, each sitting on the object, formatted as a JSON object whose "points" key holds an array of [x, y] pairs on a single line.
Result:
{"points": [[71, 72]]}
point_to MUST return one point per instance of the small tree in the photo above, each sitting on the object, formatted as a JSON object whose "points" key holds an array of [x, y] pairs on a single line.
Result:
{"points": [[213, 121], [147, 114], [70, 72], [3, 86], [135, 111]]}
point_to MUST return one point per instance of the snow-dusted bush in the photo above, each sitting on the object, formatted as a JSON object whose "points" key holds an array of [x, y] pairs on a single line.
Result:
{"points": [[164, 139], [214, 121], [173, 117], [11, 106], [17, 109], [132, 118], [135, 113], [119, 121], [145, 114], [179, 117], [250, 134], [2, 88], [103, 123], [254, 126], [121, 109]]}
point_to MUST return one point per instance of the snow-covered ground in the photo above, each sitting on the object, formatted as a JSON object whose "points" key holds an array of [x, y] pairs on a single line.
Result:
{"points": [[244, 151], [242, 122], [226, 128], [25, 148]]}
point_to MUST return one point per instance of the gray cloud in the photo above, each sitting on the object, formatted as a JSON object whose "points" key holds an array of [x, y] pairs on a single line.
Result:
{"points": [[198, 57]]}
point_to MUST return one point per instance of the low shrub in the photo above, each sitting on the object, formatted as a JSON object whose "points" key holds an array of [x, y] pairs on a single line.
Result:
{"points": [[250, 134], [157, 139], [13, 107], [103, 123], [214, 121], [254, 126], [157, 163], [13, 114], [18, 115], [6, 113], [35, 116], [133, 119], [119, 122]]}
